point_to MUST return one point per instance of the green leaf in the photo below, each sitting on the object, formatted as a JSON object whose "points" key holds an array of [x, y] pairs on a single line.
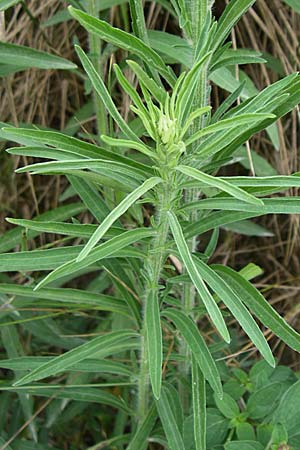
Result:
{"points": [[123, 40], [73, 297], [243, 445], [295, 4], [154, 341], [116, 213], [199, 406], [254, 300], [282, 205], [68, 144], [102, 91], [258, 407], [169, 424], [5, 4], [233, 122], [219, 183], [89, 365], [198, 348], [158, 93], [49, 259], [29, 57], [228, 406], [75, 392], [84, 351], [232, 57], [14, 237], [288, 411], [124, 143], [232, 13], [139, 440], [206, 297], [237, 308]]}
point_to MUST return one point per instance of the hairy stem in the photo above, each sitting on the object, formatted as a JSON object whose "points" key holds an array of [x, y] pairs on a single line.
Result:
{"points": [[153, 267]]}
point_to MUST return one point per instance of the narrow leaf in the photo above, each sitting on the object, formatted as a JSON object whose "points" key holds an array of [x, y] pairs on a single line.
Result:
{"points": [[254, 300], [63, 362], [220, 184], [206, 297], [198, 347], [154, 341], [116, 213]]}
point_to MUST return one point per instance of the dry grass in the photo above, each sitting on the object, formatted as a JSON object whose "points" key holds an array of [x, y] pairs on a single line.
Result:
{"points": [[49, 98]]}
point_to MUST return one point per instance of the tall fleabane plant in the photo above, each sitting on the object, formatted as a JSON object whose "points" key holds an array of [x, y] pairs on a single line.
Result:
{"points": [[170, 167]]}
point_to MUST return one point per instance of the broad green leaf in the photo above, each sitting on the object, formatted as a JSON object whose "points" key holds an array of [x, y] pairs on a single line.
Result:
{"points": [[232, 13], [74, 297], [287, 412], [109, 248], [233, 122], [172, 46], [258, 407], [168, 421], [84, 351], [154, 341], [102, 91], [116, 213], [139, 440], [199, 406], [254, 300], [29, 57], [237, 308], [123, 40], [228, 406], [220, 183], [197, 346], [208, 300]]}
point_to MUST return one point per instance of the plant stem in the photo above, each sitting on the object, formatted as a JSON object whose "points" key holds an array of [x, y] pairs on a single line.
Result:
{"points": [[153, 267], [200, 8], [96, 56]]}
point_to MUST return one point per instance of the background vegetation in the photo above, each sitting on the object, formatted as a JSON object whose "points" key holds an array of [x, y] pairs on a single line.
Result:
{"points": [[61, 100]]}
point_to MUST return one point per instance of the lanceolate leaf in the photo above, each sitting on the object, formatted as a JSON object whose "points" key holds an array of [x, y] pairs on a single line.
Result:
{"points": [[102, 91], [29, 57], [233, 11], [198, 347], [167, 418], [123, 40], [220, 184], [154, 340], [237, 308], [199, 406], [282, 205], [63, 362], [116, 213], [254, 300], [206, 297], [49, 259], [74, 297], [139, 440]]}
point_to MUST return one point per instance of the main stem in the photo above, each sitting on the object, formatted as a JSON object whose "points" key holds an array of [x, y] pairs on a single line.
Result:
{"points": [[96, 56], [200, 100], [153, 268]]}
